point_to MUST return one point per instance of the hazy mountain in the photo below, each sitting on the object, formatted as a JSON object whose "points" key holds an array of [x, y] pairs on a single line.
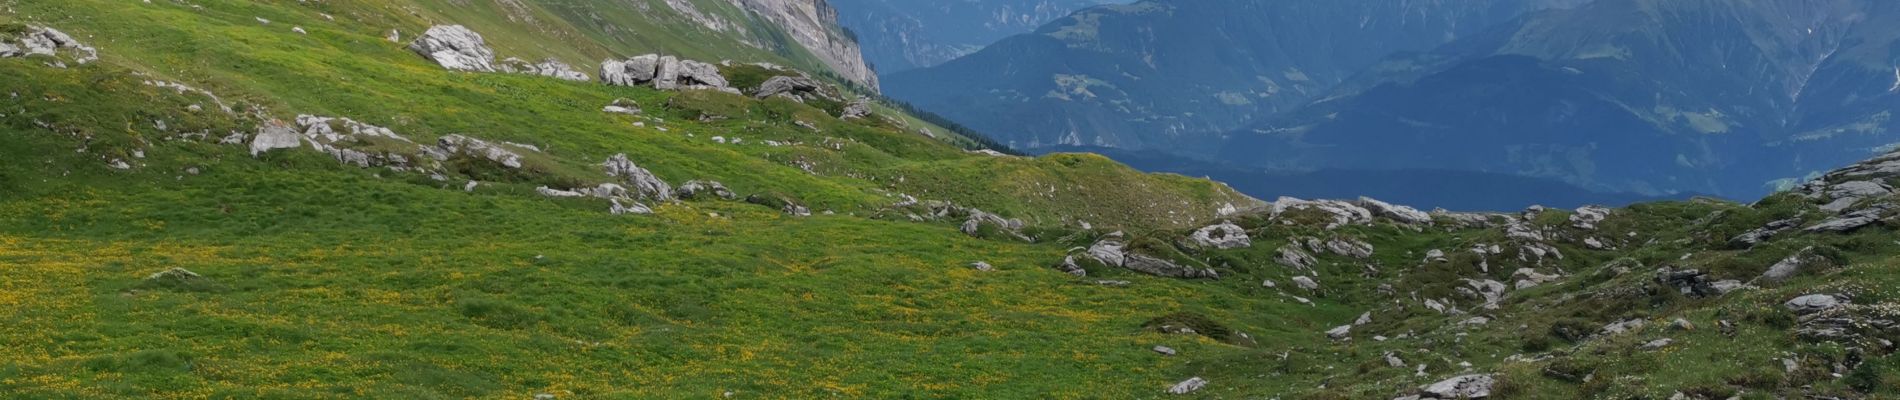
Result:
{"points": [[1633, 95], [900, 35], [1168, 74]]}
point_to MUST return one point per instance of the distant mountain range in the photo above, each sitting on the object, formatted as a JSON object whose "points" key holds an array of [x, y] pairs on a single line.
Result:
{"points": [[1656, 97], [900, 35]]}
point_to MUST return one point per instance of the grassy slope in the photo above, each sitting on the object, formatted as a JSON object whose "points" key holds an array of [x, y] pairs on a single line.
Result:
{"points": [[335, 281]]}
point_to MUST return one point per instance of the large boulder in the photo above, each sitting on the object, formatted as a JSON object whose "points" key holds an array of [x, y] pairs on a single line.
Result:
{"points": [[1109, 250], [455, 47], [704, 189], [635, 71]]}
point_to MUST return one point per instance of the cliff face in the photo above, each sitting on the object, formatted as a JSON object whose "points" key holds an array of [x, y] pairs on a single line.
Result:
{"points": [[814, 25]]}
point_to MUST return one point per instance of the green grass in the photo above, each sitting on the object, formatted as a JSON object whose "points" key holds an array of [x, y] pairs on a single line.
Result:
{"points": [[322, 280]]}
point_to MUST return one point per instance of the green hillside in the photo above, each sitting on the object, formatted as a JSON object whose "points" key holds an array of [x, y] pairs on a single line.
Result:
{"points": [[142, 256]]}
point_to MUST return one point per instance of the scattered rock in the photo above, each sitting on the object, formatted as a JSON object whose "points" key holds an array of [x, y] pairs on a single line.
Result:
{"points": [[1855, 220], [982, 266], [1620, 327], [1069, 266], [1529, 278], [1293, 257], [1159, 267], [1109, 250], [1682, 325], [797, 88], [1341, 213], [44, 41], [464, 145], [1164, 350], [1690, 282], [455, 47], [1188, 386], [1350, 248], [179, 279], [630, 207], [782, 203]]}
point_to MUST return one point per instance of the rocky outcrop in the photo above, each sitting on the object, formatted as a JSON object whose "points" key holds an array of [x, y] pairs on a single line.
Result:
{"points": [[664, 73], [797, 88], [1689, 282], [272, 135], [1339, 213], [1397, 213], [1164, 268], [1224, 235], [547, 67], [859, 108], [49, 42], [813, 24], [1588, 217], [639, 181], [1854, 220], [451, 145], [455, 47], [1292, 256], [1460, 387], [622, 106], [1758, 235]]}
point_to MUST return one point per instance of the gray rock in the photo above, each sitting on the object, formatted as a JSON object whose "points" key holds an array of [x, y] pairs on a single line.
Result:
{"points": [[1727, 285], [456, 48], [664, 73], [1292, 256], [1109, 250], [629, 207], [1755, 237], [1529, 278], [1305, 283], [639, 180], [1792, 265], [548, 67], [635, 71], [622, 106], [1854, 220], [1188, 386], [797, 88], [1350, 248], [1396, 213], [45, 41], [1588, 217], [1657, 344], [704, 189], [1224, 235], [464, 145], [1689, 282], [1623, 326], [1164, 350], [1813, 303], [982, 266], [1342, 213], [1365, 318], [859, 108], [274, 135], [1069, 266], [1461, 387], [1341, 332], [1159, 267]]}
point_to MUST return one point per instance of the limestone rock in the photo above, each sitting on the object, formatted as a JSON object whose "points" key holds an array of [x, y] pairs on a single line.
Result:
{"points": [[1224, 235], [1305, 283], [1164, 350], [1397, 213], [1461, 387], [859, 108], [458, 144], [703, 189], [1755, 237], [455, 47], [1069, 266], [629, 207], [1792, 265], [982, 266], [1160, 267], [1350, 248], [547, 67], [274, 135], [1657, 344], [1341, 213], [1854, 220], [1588, 217], [1813, 303], [1109, 250], [797, 88], [1188, 386], [1292, 256], [639, 180], [622, 106], [45, 41], [1341, 332]]}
